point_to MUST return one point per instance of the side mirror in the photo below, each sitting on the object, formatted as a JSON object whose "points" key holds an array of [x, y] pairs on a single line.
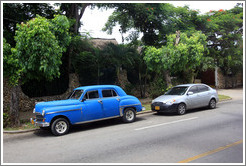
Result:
{"points": [[83, 99], [190, 93]]}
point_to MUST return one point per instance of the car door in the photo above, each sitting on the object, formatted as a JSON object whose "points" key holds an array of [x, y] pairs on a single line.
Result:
{"points": [[110, 103], [204, 95], [92, 109], [192, 100]]}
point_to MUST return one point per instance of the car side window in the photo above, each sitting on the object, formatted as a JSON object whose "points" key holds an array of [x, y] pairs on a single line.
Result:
{"points": [[114, 93], [91, 95], [109, 93], [203, 88], [194, 89]]}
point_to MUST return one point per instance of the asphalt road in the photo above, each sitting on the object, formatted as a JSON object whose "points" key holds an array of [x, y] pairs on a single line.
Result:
{"points": [[200, 136]]}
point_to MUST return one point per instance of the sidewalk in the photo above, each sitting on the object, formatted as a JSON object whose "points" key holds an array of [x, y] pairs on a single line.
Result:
{"points": [[235, 94]]}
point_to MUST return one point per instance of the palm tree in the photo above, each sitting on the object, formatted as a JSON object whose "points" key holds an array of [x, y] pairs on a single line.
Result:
{"points": [[119, 56]]}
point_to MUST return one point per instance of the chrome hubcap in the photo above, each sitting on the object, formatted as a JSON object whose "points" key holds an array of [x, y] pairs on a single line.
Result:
{"points": [[212, 104], [182, 109], [61, 127], [129, 115]]}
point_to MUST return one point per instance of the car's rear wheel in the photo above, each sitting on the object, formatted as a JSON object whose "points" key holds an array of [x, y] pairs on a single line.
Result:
{"points": [[60, 127], [181, 110], [129, 115], [212, 104]]}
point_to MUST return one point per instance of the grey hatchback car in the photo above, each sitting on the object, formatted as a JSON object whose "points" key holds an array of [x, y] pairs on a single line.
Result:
{"points": [[183, 97]]}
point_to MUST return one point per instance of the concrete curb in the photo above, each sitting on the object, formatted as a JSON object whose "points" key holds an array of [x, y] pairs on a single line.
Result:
{"points": [[30, 130], [225, 100], [18, 131]]}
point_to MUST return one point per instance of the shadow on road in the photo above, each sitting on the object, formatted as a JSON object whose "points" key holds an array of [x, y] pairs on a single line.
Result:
{"points": [[187, 112], [87, 126]]}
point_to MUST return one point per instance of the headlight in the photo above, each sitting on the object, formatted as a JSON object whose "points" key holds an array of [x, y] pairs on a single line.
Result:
{"points": [[34, 110], [170, 102], [43, 112]]}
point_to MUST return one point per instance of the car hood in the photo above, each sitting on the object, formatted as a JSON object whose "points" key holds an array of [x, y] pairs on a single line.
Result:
{"points": [[42, 105], [165, 98]]}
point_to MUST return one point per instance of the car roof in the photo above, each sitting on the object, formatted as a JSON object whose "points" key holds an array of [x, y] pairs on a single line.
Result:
{"points": [[190, 85], [120, 91], [96, 87]]}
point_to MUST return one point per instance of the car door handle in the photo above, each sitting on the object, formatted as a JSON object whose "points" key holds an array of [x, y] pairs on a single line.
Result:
{"points": [[100, 101], [118, 99]]}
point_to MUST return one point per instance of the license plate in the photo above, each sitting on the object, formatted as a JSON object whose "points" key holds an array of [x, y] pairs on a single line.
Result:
{"points": [[157, 107]]}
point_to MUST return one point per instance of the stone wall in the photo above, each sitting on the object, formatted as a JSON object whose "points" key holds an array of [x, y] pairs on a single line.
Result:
{"points": [[229, 81], [27, 104]]}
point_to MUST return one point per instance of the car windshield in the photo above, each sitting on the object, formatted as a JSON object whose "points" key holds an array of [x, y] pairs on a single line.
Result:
{"points": [[177, 90], [76, 94]]}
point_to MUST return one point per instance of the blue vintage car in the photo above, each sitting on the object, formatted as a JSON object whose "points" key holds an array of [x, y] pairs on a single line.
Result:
{"points": [[86, 104]]}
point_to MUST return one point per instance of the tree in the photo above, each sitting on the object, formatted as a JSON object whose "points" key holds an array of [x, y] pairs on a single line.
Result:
{"points": [[12, 70], [184, 56], [224, 29], [39, 47], [74, 11], [154, 20], [119, 56], [86, 61], [14, 13]]}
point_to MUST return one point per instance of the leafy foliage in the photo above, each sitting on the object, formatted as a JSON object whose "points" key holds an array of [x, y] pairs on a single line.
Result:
{"points": [[119, 55], [37, 46], [14, 13], [60, 27], [11, 67], [84, 60], [224, 29], [185, 56], [154, 20]]}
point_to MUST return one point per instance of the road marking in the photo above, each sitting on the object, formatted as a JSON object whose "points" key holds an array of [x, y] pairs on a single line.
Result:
{"points": [[210, 152], [162, 124]]}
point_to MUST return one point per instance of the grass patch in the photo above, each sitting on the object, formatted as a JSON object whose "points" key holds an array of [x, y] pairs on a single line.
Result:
{"points": [[147, 106], [224, 97], [24, 126]]}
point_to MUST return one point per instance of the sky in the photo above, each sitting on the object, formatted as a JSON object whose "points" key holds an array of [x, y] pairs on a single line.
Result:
{"points": [[94, 20]]}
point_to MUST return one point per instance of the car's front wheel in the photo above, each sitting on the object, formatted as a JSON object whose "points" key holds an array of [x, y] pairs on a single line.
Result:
{"points": [[60, 127], [212, 104], [181, 110], [129, 115]]}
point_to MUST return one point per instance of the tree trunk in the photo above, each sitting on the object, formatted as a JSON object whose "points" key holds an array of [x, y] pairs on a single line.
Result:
{"points": [[14, 106], [118, 76], [75, 13], [167, 78], [177, 38], [145, 83], [140, 83], [78, 13], [98, 72]]}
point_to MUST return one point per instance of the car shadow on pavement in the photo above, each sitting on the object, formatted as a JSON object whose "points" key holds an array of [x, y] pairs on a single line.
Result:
{"points": [[100, 124], [187, 112], [86, 126], [95, 125], [43, 133]]}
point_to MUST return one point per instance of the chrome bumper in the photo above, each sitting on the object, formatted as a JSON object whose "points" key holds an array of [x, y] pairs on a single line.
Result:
{"points": [[40, 124]]}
